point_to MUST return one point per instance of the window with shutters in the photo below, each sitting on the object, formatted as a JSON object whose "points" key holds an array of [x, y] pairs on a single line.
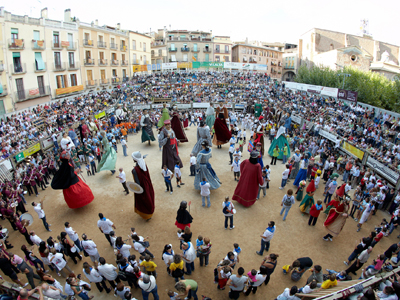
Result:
{"points": [[74, 81]]}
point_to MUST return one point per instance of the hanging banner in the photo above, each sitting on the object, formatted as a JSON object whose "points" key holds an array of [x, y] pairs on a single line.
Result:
{"points": [[212, 64], [347, 95], [169, 66], [195, 65], [70, 89], [31, 150], [183, 106], [386, 172], [64, 43], [184, 65], [330, 136], [353, 151], [295, 119], [100, 115], [144, 106], [201, 105]]}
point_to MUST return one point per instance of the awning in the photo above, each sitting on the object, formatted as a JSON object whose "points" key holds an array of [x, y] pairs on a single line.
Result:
{"points": [[39, 61], [16, 54], [14, 30]]}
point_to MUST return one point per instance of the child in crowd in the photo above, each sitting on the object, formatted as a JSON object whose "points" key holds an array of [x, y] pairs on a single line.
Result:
{"points": [[314, 212], [379, 236], [178, 175], [331, 282], [317, 178], [173, 295], [149, 266], [241, 142], [132, 260], [263, 186], [268, 171], [285, 176], [341, 276], [193, 162], [289, 294], [199, 243], [309, 288], [141, 259], [88, 170], [224, 272], [236, 248], [236, 168]]}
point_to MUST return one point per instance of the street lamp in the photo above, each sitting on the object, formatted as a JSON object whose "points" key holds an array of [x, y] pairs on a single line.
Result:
{"points": [[344, 77]]}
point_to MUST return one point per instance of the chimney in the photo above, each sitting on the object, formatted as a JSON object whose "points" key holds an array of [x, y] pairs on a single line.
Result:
{"points": [[2, 11], [119, 26], [43, 13], [96, 22], [67, 15]]}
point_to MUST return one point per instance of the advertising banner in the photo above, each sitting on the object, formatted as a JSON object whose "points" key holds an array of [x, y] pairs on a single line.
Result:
{"points": [[201, 105], [144, 106], [169, 66], [353, 151], [212, 64], [239, 106], [296, 119], [386, 172], [347, 95], [328, 135], [100, 115], [184, 65], [70, 89], [184, 106], [31, 150]]}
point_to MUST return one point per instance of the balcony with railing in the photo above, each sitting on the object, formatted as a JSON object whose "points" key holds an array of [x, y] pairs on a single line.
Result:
{"points": [[40, 68], [59, 67], [113, 46], [172, 49], [16, 44], [114, 62], [289, 67], [123, 47], [5, 92], [1, 66], [101, 44], [206, 39], [18, 69], [88, 62], [124, 62], [195, 50], [73, 66], [222, 51], [87, 43], [104, 81], [185, 49], [207, 50], [72, 46], [116, 80], [195, 39], [135, 62], [91, 83], [56, 46], [38, 45], [103, 62], [24, 95]]}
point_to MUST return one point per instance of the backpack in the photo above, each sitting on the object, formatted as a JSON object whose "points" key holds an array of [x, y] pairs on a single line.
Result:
{"points": [[225, 210], [287, 201]]}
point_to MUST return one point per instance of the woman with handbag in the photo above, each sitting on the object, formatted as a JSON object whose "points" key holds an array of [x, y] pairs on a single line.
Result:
{"points": [[177, 268], [70, 248]]}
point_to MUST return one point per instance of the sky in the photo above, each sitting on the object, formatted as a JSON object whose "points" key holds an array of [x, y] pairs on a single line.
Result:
{"points": [[262, 20]]}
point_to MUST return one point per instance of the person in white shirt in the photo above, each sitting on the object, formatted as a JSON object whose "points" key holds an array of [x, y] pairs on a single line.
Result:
{"points": [[168, 175], [38, 208], [178, 175], [124, 146], [260, 278], [108, 271], [90, 248], [267, 237], [285, 176], [73, 235], [34, 238], [205, 192], [122, 179], [57, 259], [105, 226], [236, 168], [189, 256], [193, 161], [94, 276], [51, 292], [140, 244]]}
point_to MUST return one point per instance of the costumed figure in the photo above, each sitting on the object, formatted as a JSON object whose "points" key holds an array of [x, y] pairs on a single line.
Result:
{"points": [[109, 158], [205, 170], [222, 134], [185, 121], [260, 157], [119, 114], [257, 109], [281, 141], [250, 178], [164, 116], [259, 136], [308, 200], [336, 220], [210, 118], [146, 123], [176, 125], [92, 127], [302, 174], [296, 164], [144, 202], [167, 140], [299, 192], [288, 122], [183, 217], [203, 135], [83, 129], [336, 201], [76, 193]]}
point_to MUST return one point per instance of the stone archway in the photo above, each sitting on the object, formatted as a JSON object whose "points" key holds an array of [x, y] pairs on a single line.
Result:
{"points": [[288, 76]]}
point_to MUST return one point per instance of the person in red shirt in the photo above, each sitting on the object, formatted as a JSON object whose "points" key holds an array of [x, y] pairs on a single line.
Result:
{"points": [[379, 236], [314, 212]]}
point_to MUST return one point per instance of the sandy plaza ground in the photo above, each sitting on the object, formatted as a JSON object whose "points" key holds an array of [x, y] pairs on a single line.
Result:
{"points": [[293, 238]]}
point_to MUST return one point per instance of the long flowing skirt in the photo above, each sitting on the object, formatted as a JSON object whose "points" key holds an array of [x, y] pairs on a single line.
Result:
{"points": [[280, 141], [170, 157], [185, 123], [147, 137], [210, 119], [302, 175], [295, 170], [78, 195], [222, 134], [108, 161], [197, 147], [206, 171], [178, 129]]}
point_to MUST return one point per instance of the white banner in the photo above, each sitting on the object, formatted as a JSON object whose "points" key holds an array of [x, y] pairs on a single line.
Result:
{"points": [[169, 66], [330, 136], [47, 143], [239, 106], [183, 106], [201, 105], [384, 171], [158, 105], [144, 106], [316, 89], [245, 66], [296, 119], [330, 92], [7, 163]]}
